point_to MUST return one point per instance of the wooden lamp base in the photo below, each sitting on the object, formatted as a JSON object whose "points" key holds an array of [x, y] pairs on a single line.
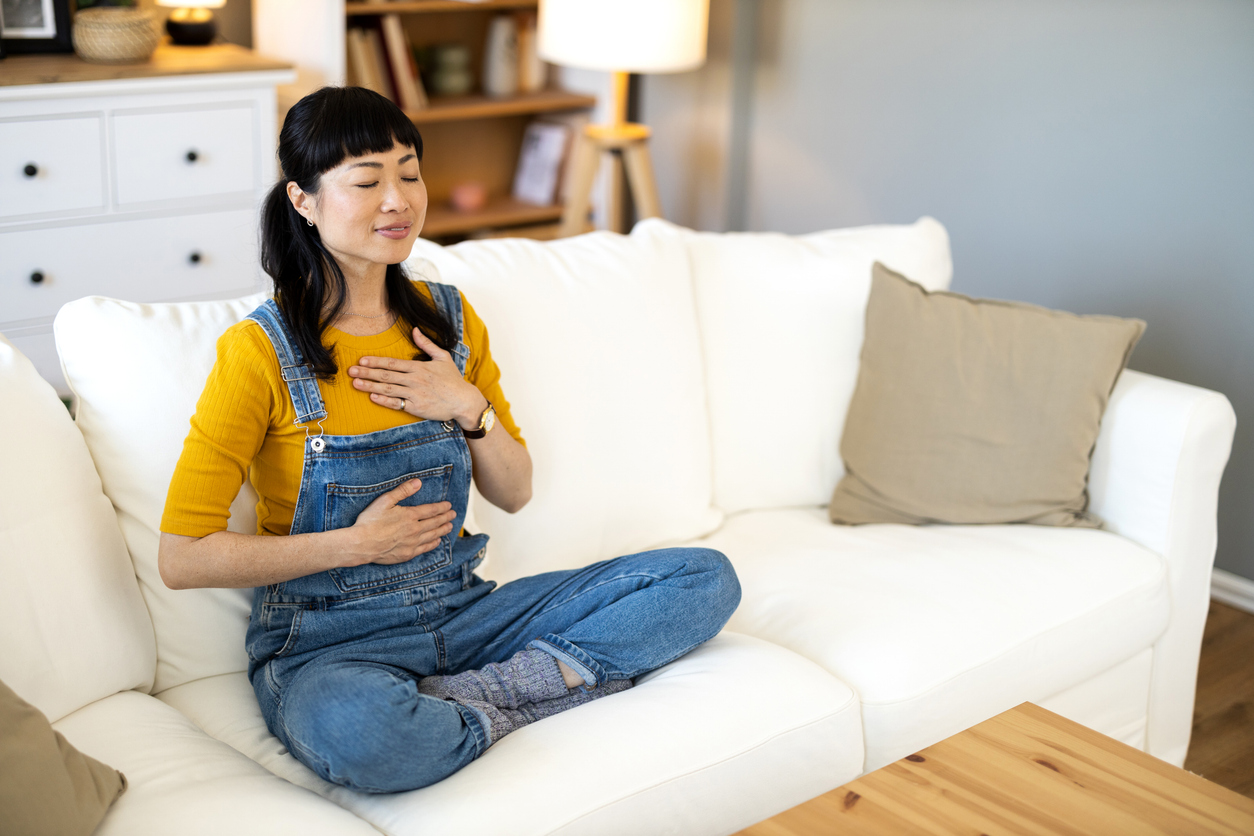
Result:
{"points": [[627, 138]]}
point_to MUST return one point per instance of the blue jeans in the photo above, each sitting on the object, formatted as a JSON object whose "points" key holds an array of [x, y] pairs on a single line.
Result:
{"points": [[335, 657], [342, 690]]}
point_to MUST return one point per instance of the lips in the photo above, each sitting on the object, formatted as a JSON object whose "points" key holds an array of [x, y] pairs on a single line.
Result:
{"points": [[395, 232]]}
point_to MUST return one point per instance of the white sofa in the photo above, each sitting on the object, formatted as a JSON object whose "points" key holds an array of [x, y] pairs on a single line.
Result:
{"points": [[674, 387]]}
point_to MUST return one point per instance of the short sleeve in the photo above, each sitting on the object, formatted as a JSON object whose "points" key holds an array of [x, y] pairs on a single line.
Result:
{"points": [[232, 418], [482, 370]]}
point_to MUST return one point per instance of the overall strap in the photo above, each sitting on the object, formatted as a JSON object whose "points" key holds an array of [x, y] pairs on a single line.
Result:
{"points": [[302, 383], [448, 301]]}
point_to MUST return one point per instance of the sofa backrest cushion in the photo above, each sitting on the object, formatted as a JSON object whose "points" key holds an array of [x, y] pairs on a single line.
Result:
{"points": [[74, 627], [597, 341], [137, 372], [782, 320]]}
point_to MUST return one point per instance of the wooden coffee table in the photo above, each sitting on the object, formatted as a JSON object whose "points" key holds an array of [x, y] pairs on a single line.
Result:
{"points": [[1025, 771]]}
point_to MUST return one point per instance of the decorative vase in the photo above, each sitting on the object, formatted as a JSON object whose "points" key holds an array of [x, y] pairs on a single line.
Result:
{"points": [[500, 57], [452, 76], [114, 35]]}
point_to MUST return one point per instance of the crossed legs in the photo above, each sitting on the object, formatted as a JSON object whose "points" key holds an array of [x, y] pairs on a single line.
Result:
{"points": [[365, 724]]}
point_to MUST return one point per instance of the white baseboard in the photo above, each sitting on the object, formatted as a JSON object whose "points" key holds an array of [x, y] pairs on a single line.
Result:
{"points": [[1233, 590]]}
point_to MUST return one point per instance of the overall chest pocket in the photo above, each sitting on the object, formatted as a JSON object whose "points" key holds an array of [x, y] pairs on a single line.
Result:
{"points": [[344, 503]]}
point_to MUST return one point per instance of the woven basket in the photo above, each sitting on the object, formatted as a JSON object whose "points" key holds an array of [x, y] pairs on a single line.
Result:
{"points": [[115, 35]]}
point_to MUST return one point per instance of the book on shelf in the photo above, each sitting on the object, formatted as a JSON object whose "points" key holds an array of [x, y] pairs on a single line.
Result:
{"points": [[378, 58], [366, 64], [540, 163], [359, 66], [400, 55]]}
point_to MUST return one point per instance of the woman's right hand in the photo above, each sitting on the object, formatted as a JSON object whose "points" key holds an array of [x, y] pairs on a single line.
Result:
{"points": [[388, 532]]}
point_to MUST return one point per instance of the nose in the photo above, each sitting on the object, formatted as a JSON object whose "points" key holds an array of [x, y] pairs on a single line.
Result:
{"points": [[394, 198]]}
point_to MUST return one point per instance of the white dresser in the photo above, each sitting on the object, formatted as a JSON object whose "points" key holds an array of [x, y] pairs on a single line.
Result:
{"points": [[140, 182]]}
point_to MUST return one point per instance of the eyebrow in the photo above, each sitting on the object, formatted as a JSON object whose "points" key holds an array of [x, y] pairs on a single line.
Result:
{"points": [[403, 159]]}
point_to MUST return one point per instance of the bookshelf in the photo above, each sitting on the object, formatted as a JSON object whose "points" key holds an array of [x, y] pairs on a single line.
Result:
{"points": [[458, 108], [500, 213], [468, 138], [430, 6]]}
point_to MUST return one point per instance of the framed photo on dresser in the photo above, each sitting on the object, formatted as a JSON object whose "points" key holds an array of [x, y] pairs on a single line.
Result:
{"points": [[35, 26]]}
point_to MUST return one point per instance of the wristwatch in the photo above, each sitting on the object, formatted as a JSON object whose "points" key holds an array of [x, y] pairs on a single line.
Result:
{"points": [[486, 422]]}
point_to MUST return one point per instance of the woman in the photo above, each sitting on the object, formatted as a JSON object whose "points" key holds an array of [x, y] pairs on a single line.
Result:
{"points": [[363, 405]]}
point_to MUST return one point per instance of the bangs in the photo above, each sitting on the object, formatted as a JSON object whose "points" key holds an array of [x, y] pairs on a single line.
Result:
{"points": [[352, 122]]}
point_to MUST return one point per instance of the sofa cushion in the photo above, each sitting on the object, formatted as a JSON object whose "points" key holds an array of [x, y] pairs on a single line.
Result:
{"points": [[73, 624], [781, 327], [730, 734], [940, 627], [975, 410], [1115, 702], [596, 337], [182, 781], [46, 785], [137, 372]]}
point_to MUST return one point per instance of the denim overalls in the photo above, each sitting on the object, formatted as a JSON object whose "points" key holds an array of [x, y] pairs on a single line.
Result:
{"points": [[334, 657]]}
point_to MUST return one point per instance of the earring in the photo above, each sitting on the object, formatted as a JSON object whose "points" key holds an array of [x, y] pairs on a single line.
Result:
{"points": [[308, 221]]}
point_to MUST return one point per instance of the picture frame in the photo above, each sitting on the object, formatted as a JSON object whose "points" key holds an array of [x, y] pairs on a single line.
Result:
{"points": [[35, 26], [545, 147]]}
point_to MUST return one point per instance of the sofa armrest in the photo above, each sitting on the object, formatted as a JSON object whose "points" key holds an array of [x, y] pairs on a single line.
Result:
{"points": [[1154, 479]]}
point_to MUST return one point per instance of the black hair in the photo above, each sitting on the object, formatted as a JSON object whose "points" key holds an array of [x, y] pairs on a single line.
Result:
{"points": [[321, 131]]}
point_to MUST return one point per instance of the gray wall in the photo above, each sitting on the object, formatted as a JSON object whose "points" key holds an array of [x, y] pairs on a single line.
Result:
{"points": [[1090, 155]]}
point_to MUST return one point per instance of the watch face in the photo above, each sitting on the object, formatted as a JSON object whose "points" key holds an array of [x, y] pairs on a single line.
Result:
{"points": [[489, 420]]}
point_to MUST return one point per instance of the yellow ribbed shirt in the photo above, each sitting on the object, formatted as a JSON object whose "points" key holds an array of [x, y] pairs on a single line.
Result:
{"points": [[243, 424]]}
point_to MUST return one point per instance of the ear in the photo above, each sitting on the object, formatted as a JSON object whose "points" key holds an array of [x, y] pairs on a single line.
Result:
{"points": [[304, 203]]}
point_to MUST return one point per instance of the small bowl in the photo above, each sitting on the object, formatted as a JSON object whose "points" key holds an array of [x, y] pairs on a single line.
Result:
{"points": [[469, 197]]}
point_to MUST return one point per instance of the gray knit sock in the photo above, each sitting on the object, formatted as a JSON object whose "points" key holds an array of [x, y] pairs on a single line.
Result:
{"points": [[578, 696], [529, 675], [501, 721]]}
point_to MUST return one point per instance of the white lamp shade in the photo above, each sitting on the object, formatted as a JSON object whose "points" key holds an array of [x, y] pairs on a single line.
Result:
{"points": [[639, 36], [193, 4]]}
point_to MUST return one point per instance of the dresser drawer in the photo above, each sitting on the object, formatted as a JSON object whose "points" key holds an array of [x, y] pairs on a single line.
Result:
{"points": [[179, 154], [51, 165], [187, 257]]}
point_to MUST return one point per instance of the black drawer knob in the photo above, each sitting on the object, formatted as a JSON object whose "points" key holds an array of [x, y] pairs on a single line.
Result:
{"points": [[195, 257], [37, 277], [30, 170], [192, 156]]}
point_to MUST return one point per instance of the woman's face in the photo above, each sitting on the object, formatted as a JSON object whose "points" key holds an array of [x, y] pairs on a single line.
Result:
{"points": [[368, 209]]}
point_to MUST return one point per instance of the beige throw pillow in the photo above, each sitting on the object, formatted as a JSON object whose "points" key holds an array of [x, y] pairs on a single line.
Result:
{"points": [[46, 785], [975, 411]]}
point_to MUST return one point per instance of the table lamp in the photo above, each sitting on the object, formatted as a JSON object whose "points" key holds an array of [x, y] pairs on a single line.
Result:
{"points": [[191, 23], [621, 37]]}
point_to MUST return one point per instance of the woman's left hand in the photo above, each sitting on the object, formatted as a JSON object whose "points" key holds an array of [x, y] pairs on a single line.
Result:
{"points": [[434, 390]]}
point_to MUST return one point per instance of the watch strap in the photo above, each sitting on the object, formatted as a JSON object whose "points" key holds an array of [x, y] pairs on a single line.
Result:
{"points": [[481, 430]]}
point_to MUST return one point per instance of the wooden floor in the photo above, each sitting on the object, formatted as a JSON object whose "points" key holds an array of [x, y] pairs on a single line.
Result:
{"points": [[1222, 748]]}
